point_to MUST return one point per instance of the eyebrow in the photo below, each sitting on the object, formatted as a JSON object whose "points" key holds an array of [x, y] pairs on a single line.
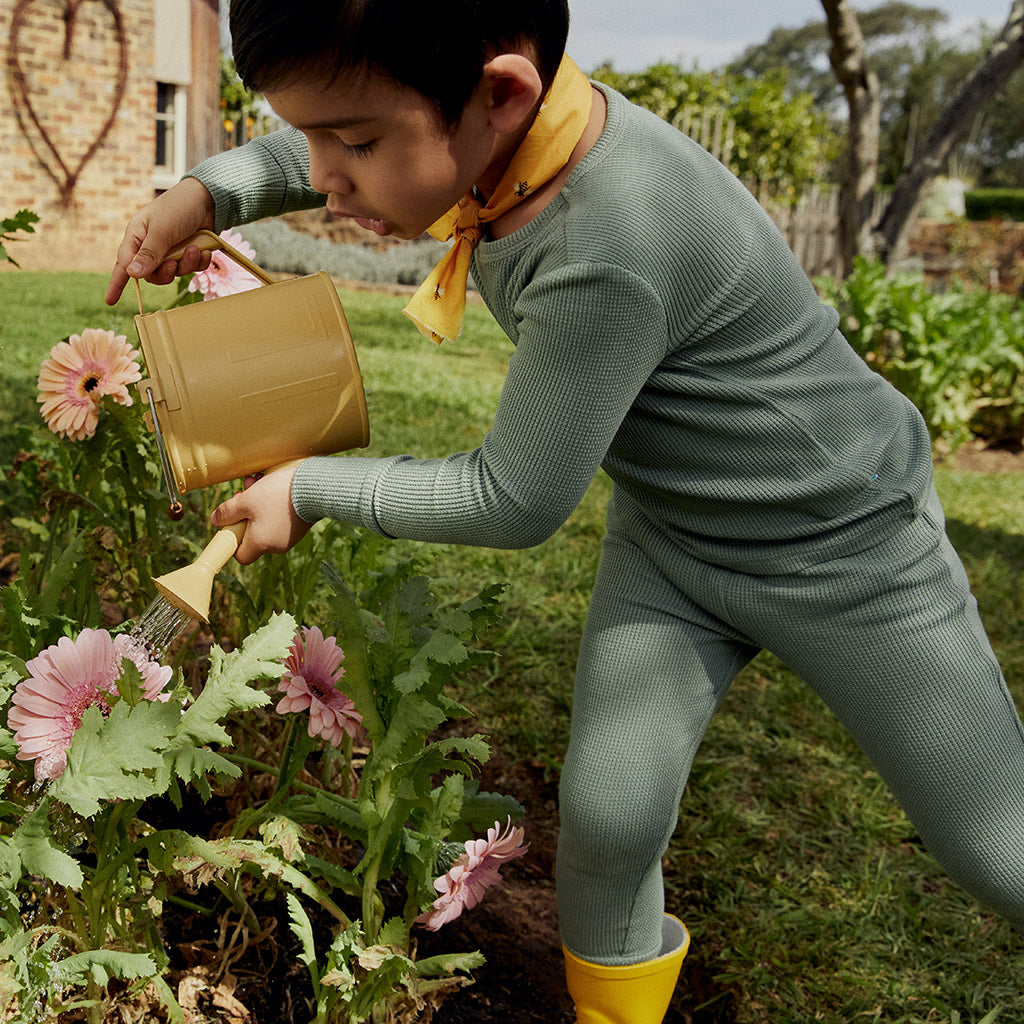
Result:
{"points": [[339, 123]]}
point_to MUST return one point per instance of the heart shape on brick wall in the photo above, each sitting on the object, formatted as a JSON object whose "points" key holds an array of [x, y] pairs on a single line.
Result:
{"points": [[38, 119]]}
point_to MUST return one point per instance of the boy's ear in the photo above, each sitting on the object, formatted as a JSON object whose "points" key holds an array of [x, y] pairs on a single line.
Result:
{"points": [[513, 90]]}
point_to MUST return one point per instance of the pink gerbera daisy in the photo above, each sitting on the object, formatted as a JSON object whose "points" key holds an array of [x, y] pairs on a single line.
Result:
{"points": [[78, 374], [463, 885], [64, 680], [313, 669], [224, 276]]}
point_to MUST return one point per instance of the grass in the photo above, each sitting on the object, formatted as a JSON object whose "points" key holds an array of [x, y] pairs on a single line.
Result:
{"points": [[807, 892]]}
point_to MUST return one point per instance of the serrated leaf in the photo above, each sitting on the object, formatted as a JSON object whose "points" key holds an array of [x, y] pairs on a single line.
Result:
{"points": [[101, 965], [227, 687], [414, 719], [116, 757], [448, 963], [129, 683], [33, 844], [303, 931], [481, 810], [205, 859], [285, 835]]}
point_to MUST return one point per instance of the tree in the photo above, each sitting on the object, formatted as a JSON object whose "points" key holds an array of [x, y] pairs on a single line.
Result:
{"points": [[779, 138], [860, 84], [1001, 61], [887, 239]]}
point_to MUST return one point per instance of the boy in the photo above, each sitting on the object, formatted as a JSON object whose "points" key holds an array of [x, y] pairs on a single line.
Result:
{"points": [[770, 491]]}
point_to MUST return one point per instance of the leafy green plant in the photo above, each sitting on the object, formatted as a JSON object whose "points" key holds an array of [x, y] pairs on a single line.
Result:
{"points": [[781, 140], [958, 355], [23, 220], [81, 849], [86, 867], [995, 204]]}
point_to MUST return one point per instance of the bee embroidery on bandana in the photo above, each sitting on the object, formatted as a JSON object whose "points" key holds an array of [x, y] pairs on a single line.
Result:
{"points": [[522, 188]]}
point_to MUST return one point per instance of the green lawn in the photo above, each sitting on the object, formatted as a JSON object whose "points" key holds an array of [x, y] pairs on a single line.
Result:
{"points": [[807, 893]]}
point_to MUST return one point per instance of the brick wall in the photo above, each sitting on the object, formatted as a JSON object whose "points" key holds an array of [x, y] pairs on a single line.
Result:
{"points": [[71, 97]]}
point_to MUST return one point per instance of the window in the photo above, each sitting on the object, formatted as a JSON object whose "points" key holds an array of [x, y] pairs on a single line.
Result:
{"points": [[169, 164]]}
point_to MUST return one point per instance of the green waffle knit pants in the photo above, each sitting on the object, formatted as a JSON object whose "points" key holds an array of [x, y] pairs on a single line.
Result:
{"points": [[889, 638]]}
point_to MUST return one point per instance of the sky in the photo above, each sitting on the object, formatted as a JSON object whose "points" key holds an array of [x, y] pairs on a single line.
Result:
{"points": [[634, 34]]}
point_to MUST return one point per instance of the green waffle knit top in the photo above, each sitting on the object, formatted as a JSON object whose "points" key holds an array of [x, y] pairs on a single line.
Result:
{"points": [[664, 331]]}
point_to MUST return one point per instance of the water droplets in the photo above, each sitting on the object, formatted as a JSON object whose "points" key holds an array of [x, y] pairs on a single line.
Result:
{"points": [[158, 626]]}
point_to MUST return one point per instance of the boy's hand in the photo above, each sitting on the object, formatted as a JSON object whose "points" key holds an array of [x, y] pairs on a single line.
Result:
{"points": [[274, 526], [155, 230]]}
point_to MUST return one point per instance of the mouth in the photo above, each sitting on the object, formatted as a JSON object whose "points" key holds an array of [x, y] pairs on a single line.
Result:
{"points": [[375, 224]]}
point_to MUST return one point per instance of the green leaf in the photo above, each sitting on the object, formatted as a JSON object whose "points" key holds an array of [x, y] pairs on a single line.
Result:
{"points": [[448, 963], [352, 639], [18, 622], [34, 846], [116, 757], [204, 860], [101, 965], [303, 931], [481, 810], [227, 687], [129, 683], [61, 573]]}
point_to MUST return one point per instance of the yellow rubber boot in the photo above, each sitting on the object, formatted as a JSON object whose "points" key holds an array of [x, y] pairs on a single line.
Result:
{"points": [[634, 994]]}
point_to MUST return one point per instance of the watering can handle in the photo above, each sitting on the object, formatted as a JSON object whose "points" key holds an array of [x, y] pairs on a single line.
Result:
{"points": [[226, 540], [208, 241]]}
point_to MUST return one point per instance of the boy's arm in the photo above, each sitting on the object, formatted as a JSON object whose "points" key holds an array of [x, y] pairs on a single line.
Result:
{"points": [[265, 177], [579, 364]]}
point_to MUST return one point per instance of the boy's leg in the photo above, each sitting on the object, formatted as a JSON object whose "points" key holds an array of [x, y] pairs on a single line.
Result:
{"points": [[652, 670], [892, 641]]}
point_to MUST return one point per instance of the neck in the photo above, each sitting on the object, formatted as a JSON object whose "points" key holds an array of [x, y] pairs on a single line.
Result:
{"points": [[503, 154]]}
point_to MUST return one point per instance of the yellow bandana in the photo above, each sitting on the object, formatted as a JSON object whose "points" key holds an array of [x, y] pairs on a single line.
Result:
{"points": [[439, 303]]}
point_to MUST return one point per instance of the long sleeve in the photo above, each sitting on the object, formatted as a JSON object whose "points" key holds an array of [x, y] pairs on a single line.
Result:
{"points": [[264, 178], [577, 369]]}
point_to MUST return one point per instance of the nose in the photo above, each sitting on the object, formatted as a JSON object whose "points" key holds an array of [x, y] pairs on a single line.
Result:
{"points": [[326, 172]]}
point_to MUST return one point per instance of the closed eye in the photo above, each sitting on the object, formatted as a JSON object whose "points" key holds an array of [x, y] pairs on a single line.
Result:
{"points": [[363, 149]]}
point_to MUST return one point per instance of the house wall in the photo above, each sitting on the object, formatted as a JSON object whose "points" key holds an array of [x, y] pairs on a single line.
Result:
{"points": [[77, 120]]}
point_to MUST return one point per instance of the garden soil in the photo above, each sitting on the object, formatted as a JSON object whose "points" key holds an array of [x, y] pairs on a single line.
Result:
{"points": [[223, 973]]}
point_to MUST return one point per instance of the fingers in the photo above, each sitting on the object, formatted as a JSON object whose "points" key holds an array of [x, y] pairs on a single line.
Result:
{"points": [[155, 230], [273, 526]]}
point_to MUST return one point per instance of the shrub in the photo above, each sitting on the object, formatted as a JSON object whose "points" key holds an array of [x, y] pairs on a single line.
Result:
{"points": [[958, 356], [288, 251], [995, 204]]}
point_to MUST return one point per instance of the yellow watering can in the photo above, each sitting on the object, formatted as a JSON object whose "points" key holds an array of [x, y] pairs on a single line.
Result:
{"points": [[244, 384]]}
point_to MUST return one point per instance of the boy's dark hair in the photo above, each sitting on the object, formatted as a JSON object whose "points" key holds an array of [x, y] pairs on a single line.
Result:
{"points": [[438, 47]]}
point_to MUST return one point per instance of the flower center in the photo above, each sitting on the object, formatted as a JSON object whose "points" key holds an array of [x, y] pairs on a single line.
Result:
{"points": [[89, 695], [90, 384], [323, 689]]}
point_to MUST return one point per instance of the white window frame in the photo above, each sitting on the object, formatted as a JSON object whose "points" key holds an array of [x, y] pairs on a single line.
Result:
{"points": [[174, 122]]}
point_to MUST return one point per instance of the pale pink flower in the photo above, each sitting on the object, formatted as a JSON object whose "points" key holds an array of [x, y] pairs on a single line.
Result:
{"points": [[78, 374], [463, 885], [224, 276], [64, 680], [312, 672]]}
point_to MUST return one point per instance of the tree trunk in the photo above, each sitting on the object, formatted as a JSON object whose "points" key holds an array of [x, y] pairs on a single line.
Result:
{"points": [[860, 85], [1004, 57]]}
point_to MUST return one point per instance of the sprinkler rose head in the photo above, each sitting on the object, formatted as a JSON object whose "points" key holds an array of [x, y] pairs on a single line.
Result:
{"points": [[191, 587]]}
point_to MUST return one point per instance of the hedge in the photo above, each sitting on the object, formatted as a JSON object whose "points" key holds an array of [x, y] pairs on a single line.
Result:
{"points": [[995, 204]]}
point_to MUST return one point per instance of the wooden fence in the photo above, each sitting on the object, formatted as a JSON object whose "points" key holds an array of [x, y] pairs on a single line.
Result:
{"points": [[809, 224], [811, 227]]}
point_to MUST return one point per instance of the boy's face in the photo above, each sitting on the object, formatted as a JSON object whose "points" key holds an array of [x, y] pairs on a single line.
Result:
{"points": [[379, 152]]}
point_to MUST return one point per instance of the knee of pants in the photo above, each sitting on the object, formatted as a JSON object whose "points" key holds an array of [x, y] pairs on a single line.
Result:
{"points": [[615, 824]]}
